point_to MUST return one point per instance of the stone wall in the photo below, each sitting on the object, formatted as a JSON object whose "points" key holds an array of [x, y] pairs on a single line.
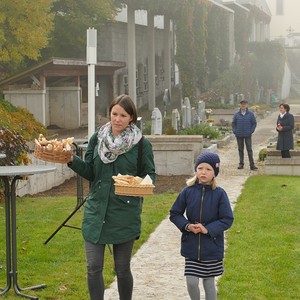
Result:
{"points": [[175, 154], [276, 165]]}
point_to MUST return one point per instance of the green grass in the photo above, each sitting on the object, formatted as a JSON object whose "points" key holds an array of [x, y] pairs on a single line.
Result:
{"points": [[261, 261], [61, 263], [263, 254]]}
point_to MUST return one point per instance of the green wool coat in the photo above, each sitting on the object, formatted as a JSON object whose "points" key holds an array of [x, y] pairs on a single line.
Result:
{"points": [[110, 218]]}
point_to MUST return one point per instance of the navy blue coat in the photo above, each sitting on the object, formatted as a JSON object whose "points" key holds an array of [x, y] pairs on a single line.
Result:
{"points": [[243, 125], [285, 140], [200, 204]]}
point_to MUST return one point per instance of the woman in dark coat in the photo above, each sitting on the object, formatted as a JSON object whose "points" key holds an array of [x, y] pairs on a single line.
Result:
{"points": [[285, 126]]}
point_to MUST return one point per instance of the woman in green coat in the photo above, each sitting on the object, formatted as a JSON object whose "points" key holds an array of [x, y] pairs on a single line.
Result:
{"points": [[110, 218]]}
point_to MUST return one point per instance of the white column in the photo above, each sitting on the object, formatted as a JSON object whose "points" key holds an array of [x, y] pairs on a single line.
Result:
{"points": [[167, 54], [91, 58], [151, 62], [131, 67]]}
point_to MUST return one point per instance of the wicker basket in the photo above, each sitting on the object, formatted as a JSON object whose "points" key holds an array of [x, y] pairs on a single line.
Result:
{"points": [[41, 152], [133, 190]]}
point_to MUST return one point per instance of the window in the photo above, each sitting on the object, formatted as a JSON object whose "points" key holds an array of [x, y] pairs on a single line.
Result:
{"points": [[145, 78], [125, 81]]}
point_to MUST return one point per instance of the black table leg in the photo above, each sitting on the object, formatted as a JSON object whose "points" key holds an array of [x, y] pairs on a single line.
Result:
{"points": [[7, 193], [11, 241]]}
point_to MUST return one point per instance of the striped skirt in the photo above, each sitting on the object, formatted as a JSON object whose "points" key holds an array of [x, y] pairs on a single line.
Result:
{"points": [[203, 269]]}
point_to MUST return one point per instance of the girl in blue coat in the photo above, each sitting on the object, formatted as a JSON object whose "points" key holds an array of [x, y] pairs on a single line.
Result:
{"points": [[202, 212]]}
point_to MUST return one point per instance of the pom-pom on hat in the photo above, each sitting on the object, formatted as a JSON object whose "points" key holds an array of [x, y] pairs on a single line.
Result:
{"points": [[211, 159]]}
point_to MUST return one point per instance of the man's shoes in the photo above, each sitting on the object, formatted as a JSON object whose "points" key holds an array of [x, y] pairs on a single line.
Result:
{"points": [[240, 166], [253, 168]]}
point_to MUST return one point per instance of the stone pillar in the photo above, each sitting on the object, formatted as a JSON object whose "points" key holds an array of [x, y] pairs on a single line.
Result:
{"points": [[167, 54], [231, 39], [151, 62], [131, 67]]}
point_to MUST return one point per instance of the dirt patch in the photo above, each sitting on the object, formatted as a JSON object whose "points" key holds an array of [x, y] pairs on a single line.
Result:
{"points": [[163, 184]]}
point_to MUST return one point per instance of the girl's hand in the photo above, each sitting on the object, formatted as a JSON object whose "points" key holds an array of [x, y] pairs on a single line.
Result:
{"points": [[197, 228]]}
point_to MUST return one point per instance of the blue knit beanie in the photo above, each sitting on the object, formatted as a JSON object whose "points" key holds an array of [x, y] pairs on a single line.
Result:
{"points": [[211, 159]]}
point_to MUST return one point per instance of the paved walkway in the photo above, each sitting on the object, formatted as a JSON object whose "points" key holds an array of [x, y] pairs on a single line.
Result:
{"points": [[158, 266]]}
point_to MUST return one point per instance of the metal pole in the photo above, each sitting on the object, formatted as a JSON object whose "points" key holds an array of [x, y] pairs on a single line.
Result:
{"points": [[91, 58]]}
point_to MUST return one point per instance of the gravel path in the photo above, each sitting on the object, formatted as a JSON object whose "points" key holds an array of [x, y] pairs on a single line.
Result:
{"points": [[158, 266]]}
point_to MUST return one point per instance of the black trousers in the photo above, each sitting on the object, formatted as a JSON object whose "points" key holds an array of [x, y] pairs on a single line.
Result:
{"points": [[241, 141]]}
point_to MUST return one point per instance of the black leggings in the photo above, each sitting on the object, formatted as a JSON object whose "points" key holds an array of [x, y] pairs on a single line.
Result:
{"points": [[285, 154], [95, 261]]}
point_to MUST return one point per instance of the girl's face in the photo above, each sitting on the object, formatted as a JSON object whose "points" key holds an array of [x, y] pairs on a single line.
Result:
{"points": [[205, 173], [120, 119], [282, 109]]}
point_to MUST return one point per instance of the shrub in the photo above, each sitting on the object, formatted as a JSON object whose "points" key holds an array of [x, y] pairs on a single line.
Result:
{"points": [[17, 127], [170, 131], [14, 146], [201, 129], [262, 154]]}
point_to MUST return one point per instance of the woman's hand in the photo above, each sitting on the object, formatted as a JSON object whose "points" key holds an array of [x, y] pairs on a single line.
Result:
{"points": [[71, 160]]}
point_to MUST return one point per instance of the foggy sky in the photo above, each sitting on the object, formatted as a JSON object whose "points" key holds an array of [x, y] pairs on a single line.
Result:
{"points": [[281, 23]]}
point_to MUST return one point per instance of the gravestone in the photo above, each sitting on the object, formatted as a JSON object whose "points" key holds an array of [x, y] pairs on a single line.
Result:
{"points": [[231, 99], [186, 113], [156, 126], [241, 97], [195, 117], [166, 100], [201, 111], [175, 119]]}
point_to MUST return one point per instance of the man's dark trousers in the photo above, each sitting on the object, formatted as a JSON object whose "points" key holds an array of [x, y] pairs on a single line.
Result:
{"points": [[241, 141]]}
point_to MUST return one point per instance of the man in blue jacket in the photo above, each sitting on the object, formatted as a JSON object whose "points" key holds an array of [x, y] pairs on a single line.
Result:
{"points": [[243, 125]]}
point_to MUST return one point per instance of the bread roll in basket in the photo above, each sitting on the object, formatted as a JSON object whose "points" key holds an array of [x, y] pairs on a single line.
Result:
{"points": [[128, 185], [57, 151]]}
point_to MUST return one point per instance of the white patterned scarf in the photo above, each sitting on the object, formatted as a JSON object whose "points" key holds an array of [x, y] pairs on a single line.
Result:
{"points": [[111, 147]]}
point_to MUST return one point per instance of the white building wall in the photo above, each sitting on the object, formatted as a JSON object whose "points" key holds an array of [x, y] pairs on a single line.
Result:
{"points": [[34, 101]]}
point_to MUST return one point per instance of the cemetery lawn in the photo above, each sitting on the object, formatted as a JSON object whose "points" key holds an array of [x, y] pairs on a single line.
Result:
{"points": [[263, 254]]}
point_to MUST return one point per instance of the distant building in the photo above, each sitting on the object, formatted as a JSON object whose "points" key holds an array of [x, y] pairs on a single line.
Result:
{"points": [[293, 40], [136, 56]]}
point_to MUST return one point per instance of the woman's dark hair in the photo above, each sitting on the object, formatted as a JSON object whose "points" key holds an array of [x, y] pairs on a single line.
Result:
{"points": [[125, 102], [286, 106]]}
